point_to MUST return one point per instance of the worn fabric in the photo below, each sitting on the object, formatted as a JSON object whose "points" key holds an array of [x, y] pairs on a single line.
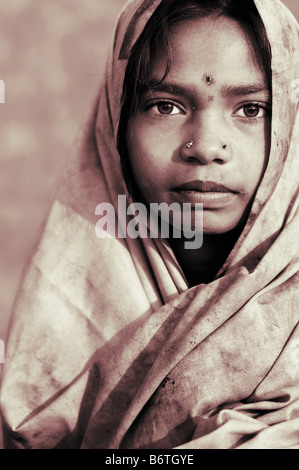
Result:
{"points": [[108, 346]]}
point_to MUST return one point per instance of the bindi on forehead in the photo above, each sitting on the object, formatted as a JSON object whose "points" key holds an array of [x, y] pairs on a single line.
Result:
{"points": [[208, 79]]}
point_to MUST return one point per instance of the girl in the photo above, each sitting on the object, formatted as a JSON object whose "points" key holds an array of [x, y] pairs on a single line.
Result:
{"points": [[125, 342]]}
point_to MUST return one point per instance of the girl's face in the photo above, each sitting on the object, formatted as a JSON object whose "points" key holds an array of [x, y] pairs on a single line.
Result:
{"points": [[215, 96]]}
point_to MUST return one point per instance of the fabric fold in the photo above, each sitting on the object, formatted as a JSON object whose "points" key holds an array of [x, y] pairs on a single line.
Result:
{"points": [[109, 347]]}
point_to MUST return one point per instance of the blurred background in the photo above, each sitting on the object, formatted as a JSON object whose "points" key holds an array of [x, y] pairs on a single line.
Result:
{"points": [[52, 56]]}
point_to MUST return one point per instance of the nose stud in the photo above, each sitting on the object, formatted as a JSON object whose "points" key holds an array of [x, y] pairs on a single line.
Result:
{"points": [[190, 143]]}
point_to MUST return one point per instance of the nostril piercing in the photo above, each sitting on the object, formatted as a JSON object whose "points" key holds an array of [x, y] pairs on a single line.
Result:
{"points": [[189, 144]]}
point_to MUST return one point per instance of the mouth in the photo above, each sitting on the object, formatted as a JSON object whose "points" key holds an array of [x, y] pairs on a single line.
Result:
{"points": [[204, 187], [211, 194]]}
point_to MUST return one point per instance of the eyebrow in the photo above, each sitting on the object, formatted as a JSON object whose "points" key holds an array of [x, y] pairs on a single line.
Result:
{"points": [[232, 91], [227, 91]]}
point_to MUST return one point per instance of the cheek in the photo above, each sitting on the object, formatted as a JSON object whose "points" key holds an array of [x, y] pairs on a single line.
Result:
{"points": [[262, 161], [147, 154], [141, 159], [255, 159]]}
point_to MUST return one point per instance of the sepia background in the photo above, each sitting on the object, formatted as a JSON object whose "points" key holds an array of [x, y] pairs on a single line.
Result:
{"points": [[52, 56]]}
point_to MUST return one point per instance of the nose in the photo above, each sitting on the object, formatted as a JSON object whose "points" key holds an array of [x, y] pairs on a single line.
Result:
{"points": [[205, 142]]}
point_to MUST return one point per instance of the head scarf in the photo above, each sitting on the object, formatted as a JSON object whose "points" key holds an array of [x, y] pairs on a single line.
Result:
{"points": [[108, 347]]}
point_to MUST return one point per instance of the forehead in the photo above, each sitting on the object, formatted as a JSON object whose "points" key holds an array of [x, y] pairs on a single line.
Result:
{"points": [[214, 47]]}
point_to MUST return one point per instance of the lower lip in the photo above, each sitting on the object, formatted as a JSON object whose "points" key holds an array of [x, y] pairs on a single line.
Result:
{"points": [[210, 199]]}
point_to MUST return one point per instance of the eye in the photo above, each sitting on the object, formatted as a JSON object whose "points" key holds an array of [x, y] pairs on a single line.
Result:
{"points": [[252, 111], [166, 107]]}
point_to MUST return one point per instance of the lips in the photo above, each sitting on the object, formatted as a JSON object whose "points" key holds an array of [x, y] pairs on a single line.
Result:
{"points": [[212, 195], [204, 187]]}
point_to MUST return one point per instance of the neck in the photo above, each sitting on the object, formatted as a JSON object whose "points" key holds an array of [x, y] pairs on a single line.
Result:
{"points": [[202, 264]]}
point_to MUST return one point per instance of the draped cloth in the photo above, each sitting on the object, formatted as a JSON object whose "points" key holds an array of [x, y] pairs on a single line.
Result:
{"points": [[108, 346]]}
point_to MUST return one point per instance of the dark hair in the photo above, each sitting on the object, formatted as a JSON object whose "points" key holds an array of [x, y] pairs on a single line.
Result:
{"points": [[155, 38]]}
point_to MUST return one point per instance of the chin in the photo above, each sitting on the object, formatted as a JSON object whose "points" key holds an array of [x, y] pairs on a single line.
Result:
{"points": [[221, 229], [217, 223]]}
